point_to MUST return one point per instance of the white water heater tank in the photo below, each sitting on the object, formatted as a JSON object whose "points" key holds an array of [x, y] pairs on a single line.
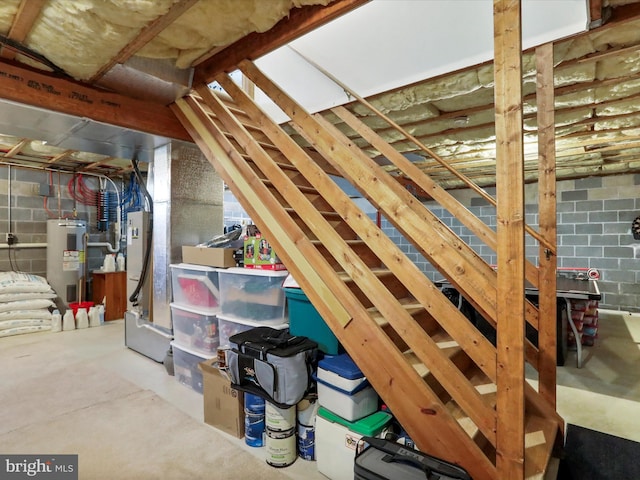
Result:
{"points": [[65, 258]]}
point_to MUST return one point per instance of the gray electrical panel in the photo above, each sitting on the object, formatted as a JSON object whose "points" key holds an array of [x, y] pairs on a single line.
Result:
{"points": [[137, 234]]}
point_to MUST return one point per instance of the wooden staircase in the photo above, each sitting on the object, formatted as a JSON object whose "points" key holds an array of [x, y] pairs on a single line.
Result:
{"points": [[427, 361]]}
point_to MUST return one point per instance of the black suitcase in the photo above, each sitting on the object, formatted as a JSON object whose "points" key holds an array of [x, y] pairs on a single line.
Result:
{"points": [[386, 460]]}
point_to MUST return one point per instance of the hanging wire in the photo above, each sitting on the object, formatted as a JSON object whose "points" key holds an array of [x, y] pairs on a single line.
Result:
{"points": [[147, 254], [15, 267], [18, 47]]}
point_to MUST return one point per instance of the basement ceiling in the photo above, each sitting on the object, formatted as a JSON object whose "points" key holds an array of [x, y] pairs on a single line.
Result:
{"points": [[144, 51], [151, 52]]}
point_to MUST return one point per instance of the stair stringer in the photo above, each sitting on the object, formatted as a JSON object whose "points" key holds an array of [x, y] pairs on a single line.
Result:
{"points": [[412, 401], [454, 259], [422, 345], [355, 309]]}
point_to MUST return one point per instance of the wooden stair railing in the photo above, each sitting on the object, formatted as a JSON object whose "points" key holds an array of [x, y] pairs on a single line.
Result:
{"points": [[426, 360]]}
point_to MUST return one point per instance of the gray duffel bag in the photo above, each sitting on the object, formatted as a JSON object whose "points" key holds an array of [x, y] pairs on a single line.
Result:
{"points": [[272, 364]]}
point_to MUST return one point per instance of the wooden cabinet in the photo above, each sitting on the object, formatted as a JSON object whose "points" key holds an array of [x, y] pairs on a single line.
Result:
{"points": [[113, 287]]}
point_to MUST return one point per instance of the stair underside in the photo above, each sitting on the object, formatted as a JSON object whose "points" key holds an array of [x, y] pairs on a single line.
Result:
{"points": [[339, 258]]}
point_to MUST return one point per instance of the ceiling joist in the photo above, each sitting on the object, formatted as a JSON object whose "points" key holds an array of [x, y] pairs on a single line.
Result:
{"points": [[255, 45], [23, 85], [145, 36], [28, 12]]}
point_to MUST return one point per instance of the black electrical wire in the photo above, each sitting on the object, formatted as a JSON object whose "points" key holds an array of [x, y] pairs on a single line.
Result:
{"points": [[10, 261], [15, 259], [147, 254], [27, 52]]}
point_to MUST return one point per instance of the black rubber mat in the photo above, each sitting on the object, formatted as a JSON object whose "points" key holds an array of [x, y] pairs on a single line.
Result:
{"points": [[598, 456]]}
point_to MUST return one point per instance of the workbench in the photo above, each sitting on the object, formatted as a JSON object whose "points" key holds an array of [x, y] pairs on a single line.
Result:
{"points": [[569, 290]]}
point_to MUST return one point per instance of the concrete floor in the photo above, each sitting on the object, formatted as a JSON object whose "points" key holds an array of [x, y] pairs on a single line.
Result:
{"points": [[602, 395]]}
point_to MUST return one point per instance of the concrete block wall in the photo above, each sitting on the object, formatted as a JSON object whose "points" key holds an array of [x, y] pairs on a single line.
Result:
{"points": [[594, 218], [23, 213]]}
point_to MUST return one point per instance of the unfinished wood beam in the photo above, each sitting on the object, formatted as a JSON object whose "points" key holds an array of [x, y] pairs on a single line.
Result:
{"points": [[547, 357], [16, 148], [255, 45], [103, 162], [23, 85], [60, 156], [510, 405], [147, 34], [595, 13], [422, 180]]}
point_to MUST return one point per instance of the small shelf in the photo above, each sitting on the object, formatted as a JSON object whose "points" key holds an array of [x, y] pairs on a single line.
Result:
{"points": [[113, 287]]}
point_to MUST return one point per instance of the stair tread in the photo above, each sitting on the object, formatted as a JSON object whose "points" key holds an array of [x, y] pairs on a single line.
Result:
{"points": [[327, 213], [378, 272], [302, 188], [409, 304], [486, 388], [352, 241], [444, 342], [539, 439]]}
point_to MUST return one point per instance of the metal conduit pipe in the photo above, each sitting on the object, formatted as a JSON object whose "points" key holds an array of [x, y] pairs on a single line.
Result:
{"points": [[9, 201], [118, 229]]}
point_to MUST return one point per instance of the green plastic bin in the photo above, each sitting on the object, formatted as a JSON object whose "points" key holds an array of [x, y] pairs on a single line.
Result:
{"points": [[304, 320]]}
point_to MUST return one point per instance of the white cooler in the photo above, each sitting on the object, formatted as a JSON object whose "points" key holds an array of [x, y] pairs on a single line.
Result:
{"points": [[337, 440], [343, 389]]}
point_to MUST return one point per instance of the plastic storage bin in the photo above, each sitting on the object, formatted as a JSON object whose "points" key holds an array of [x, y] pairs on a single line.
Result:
{"points": [[185, 366], [343, 389], [305, 321], [337, 440], [195, 328], [253, 295], [195, 286], [228, 327]]}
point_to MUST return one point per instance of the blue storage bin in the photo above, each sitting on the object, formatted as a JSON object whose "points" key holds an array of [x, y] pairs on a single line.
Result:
{"points": [[304, 320]]}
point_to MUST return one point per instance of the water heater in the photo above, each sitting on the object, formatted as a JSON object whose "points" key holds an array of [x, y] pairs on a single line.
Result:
{"points": [[65, 259]]}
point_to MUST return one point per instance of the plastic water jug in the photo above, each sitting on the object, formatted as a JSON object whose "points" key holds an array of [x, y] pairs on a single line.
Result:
{"points": [[94, 317], [56, 321], [109, 264], [82, 318], [120, 263], [68, 322]]}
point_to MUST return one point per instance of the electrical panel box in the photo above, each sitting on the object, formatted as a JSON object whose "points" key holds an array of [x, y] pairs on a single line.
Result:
{"points": [[137, 234]]}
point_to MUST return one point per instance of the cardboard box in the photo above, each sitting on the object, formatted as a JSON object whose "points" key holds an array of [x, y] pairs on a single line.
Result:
{"points": [[223, 405], [258, 253], [212, 257]]}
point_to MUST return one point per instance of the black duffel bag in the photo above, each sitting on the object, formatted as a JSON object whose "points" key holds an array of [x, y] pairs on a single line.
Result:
{"points": [[386, 460], [272, 364]]}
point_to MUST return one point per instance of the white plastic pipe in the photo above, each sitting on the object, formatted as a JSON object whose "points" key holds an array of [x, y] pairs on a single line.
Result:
{"points": [[5, 246], [104, 244]]}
